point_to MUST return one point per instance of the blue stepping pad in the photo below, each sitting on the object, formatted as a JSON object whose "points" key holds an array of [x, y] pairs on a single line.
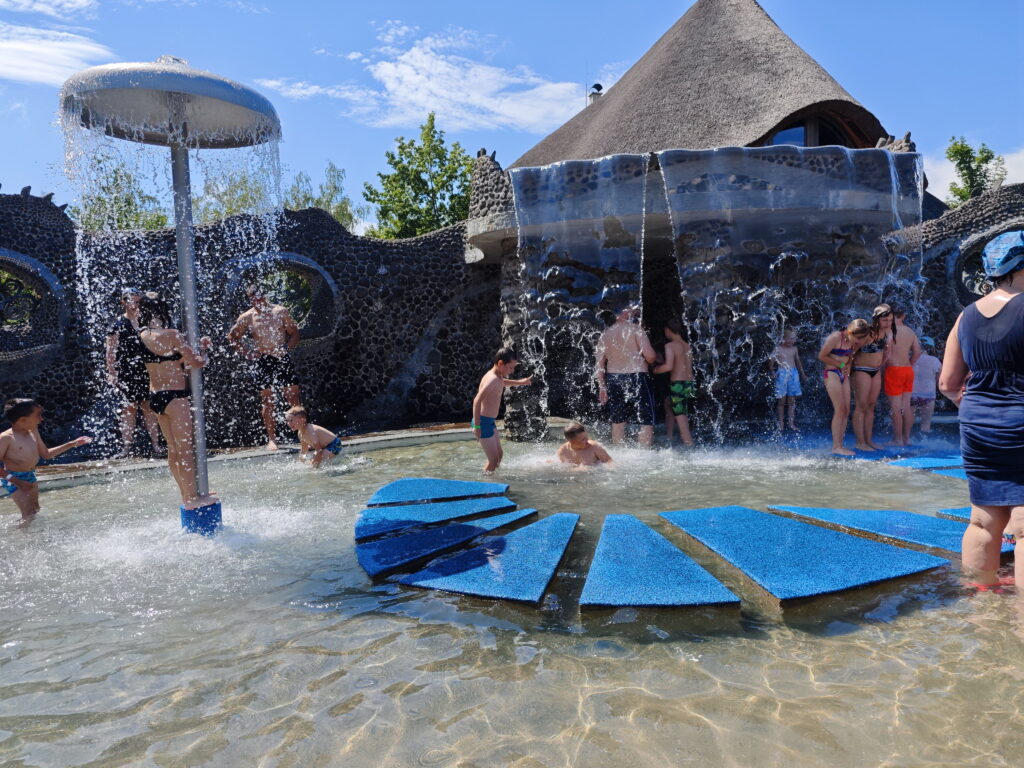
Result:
{"points": [[897, 525], [516, 566], [790, 559], [960, 474], [383, 556], [929, 462], [412, 490], [636, 566], [958, 513], [379, 520]]}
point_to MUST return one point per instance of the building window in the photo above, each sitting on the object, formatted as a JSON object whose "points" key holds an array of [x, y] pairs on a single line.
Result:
{"points": [[794, 135], [812, 132]]}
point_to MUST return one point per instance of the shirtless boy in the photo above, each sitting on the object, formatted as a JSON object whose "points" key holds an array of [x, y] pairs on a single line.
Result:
{"points": [[21, 449], [785, 361], [679, 365], [488, 401], [273, 333], [580, 450], [623, 354], [319, 441], [905, 349]]}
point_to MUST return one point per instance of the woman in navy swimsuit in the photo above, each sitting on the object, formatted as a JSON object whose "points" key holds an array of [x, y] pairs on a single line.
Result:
{"points": [[983, 373]]}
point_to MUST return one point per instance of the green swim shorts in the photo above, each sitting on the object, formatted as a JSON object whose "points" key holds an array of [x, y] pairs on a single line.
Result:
{"points": [[680, 394]]}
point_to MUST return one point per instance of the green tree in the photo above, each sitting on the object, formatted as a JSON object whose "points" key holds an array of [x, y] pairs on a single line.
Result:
{"points": [[116, 200], [235, 192], [330, 197], [427, 189], [979, 170]]}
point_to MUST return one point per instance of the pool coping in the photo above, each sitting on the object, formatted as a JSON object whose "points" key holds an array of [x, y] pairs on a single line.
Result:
{"points": [[66, 475]]}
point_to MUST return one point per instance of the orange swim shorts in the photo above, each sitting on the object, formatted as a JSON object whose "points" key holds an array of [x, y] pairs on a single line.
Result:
{"points": [[899, 380]]}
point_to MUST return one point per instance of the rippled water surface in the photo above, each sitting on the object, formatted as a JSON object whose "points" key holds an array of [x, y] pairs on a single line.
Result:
{"points": [[126, 642]]}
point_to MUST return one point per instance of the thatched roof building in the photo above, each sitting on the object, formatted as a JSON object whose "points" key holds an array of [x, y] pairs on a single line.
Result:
{"points": [[723, 75]]}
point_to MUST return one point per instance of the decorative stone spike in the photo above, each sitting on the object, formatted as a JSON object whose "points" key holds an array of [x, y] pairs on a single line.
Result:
{"points": [[48, 197], [26, 191], [62, 206]]}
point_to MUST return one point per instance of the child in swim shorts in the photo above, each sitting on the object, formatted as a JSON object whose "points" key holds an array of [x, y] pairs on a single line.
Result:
{"points": [[319, 441], [788, 374]]}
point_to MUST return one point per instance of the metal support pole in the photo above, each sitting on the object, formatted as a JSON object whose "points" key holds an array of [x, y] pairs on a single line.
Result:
{"points": [[189, 303]]}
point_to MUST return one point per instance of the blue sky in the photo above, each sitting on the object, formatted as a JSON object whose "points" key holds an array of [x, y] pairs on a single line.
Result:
{"points": [[348, 77]]}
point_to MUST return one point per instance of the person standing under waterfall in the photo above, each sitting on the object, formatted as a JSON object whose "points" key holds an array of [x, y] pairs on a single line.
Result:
{"points": [[983, 374], [127, 373], [487, 403], [273, 335], [837, 354], [168, 357], [624, 353], [681, 392], [789, 373], [866, 378], [899, 378], [926, 377]]}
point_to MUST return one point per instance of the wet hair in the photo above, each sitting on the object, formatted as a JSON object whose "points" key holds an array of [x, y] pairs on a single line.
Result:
{"points": [[153, 307], [19, 407], [252, 290], [573, 430], [859, 328], [505, 355], [607, 317], [298, 410], [676, 327], [882, 310]]}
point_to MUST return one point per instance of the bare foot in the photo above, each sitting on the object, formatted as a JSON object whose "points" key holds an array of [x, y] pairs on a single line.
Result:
{"points": [[865, 447], [159, 452], [202, 501], [875, 446], [842, 452], [271, 445]]}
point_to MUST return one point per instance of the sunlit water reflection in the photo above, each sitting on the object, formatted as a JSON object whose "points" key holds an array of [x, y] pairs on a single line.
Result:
{"points": [[124, 641]]}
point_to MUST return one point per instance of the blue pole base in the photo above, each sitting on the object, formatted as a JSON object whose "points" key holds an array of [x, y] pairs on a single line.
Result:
{"points": [[202, 520]]}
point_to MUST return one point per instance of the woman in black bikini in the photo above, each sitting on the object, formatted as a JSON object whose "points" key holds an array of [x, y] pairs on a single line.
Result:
{"points": [[166, 356], [867, 376], [837, 353]]}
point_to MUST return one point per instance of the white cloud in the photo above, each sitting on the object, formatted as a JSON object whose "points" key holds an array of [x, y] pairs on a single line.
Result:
{"points": [[436, 74], [58, 9], [240, 5], [354, 55], [610, 73], [940, 172], [393, 31], [34, 55]]}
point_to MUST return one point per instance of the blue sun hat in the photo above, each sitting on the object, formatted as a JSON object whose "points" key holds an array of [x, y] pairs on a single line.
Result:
{"points": [[927, 341], [1004, 254]]}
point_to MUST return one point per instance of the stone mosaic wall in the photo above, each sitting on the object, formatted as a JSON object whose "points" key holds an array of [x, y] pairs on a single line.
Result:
{"points": [[399, 331]]}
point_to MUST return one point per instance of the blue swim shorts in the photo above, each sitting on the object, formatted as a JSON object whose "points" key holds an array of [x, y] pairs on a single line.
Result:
{"points": [[334, 446], [787, 383], [487, 428], [9, 487]]}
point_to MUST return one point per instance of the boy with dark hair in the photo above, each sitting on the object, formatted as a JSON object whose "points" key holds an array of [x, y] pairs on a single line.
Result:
{"points": [[320, 441], [679, 365], [21, 448], [488, 401], [785, 362], [580, 450]]}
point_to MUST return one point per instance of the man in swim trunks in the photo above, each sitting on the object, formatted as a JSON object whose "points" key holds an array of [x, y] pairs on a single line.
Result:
{"points": [[623, 354], [579, 450], [488, 401], [681, 391], [273, 333], [905, 350]]}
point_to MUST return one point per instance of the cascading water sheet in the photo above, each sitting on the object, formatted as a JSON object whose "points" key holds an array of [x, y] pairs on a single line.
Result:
{"points": [[580, 246], [766, 237]]}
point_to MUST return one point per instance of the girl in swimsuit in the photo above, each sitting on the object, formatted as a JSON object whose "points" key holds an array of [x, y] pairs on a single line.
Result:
{"points": [[867, 378], [166, 356], [837, 354]]}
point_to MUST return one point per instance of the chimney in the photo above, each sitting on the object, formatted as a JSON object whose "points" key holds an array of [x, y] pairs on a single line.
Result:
{"points": [[595, 93]]}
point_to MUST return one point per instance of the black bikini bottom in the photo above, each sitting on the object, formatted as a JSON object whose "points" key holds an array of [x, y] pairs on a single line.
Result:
{"points": [[159, 401], [865, 369]]}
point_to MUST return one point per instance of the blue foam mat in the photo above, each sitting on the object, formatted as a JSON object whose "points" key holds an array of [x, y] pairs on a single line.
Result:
{"points": [[791, 559], [411, 490], [385, 555], [960, 513], [379, 520], [516, 566], [899, 525], [960, 474], [929, 462], [636, 566]]}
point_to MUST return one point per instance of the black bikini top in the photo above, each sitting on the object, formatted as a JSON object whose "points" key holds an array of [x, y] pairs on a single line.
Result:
{"points": [[149, 356], [875, 346]]}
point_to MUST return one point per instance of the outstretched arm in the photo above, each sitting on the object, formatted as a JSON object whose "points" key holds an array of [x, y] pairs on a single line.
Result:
{"points": [[52, 453]]}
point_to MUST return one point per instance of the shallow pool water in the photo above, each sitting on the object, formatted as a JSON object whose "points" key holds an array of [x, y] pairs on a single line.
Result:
{"points": [[124, 641]]}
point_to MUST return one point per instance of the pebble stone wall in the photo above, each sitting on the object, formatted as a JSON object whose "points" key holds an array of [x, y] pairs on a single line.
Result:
{"points": [[415, 325]]}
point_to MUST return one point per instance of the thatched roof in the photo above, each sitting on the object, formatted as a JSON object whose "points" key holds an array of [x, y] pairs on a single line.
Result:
{"points": [[723, 75]]}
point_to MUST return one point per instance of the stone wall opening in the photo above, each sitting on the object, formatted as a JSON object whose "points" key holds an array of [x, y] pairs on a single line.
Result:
{"points": [[33, 315]]}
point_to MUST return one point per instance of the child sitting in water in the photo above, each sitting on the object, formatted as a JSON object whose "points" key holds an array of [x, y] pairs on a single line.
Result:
{"points": [[580, 450], [21, 449], [320, 441], [785, 361]]}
